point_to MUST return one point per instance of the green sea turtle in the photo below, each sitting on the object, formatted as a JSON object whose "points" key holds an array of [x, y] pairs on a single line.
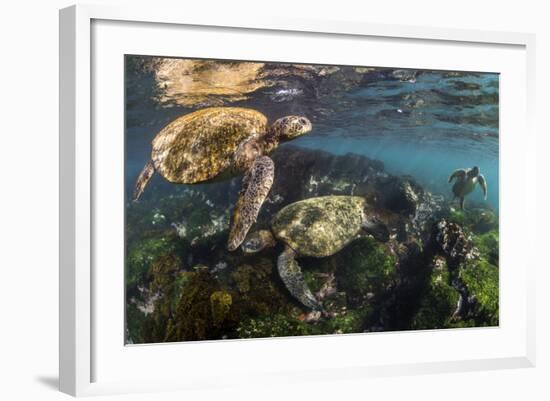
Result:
{"points": [[466, 180], [221, 142], [315, 227]]}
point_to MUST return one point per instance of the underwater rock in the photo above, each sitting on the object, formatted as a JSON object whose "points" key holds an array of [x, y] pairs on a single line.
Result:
{"points": [[203, 311], [481, 220], [220, 305], [277, 325], [481, 280], [259, 290], [439, 302], [163, 271], [399, 194], [305, 173], [192, 214], [166, 280], [135, 320], [488, 246], [428, 209], [141, 256], [366, 270], [450, 239]]}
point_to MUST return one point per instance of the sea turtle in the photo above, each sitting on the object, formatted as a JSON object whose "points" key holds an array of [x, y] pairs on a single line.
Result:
{"points": [[466, 180], [217, 143], [315, 227]]}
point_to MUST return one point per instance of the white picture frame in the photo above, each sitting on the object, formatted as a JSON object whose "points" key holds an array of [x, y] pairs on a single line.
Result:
{"points": [[79, 344]]}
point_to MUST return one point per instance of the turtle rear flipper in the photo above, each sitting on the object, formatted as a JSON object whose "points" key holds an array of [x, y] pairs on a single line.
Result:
{"points": [[256, 185], [143, 179], [291, 274]]}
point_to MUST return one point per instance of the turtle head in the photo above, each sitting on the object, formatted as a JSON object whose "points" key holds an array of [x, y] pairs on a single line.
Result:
{"points": [[290, 127], [474, 171], [258, 241], [375, 227]]}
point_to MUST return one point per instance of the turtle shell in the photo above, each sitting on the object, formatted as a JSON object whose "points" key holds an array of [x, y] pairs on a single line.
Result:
{"points": [[198, 146], [320, 226]]}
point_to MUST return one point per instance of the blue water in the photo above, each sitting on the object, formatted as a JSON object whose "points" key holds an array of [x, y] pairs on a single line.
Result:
{"points": [[426, 125], [428, 141]]}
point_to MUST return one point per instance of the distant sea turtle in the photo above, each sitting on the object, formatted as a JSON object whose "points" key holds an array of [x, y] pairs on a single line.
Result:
{"points": [[221, 142], [315, 227], [466, 180]]}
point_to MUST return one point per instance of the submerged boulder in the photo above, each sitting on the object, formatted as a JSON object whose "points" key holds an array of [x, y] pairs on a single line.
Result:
{"points": [[481, 280], [439, 302], [366, 270], [400, 195], [450, 240]]}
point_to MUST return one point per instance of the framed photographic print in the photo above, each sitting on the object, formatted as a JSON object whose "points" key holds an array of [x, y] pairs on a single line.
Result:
{"points": [[290, 207]]}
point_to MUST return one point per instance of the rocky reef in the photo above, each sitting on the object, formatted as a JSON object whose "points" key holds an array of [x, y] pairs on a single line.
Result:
{"points": [[438, 270]]}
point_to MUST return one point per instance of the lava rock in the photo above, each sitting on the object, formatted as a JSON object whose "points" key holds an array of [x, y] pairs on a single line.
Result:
{"points": [[398, 194], [450, 240]]}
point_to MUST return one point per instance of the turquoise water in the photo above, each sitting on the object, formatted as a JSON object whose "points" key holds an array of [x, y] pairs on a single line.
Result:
{"points": [[425, 126]]}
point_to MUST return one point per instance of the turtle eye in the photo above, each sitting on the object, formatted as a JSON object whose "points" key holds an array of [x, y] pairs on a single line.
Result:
{"points": [[302, 121]]}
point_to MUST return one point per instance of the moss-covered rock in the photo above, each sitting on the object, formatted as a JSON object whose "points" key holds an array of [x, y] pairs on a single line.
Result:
{"points": [[488, 246], [481, 220], [141, 255], [190, 306], [438, 300], [163, 272], [366, 270], [398, 194], [220, 305], [481, 279], [258, 289], [452, 241], [348, 321], [477, 220], [135, 319], [277, 325], [457, 216], [314, 280], [193, 317]]}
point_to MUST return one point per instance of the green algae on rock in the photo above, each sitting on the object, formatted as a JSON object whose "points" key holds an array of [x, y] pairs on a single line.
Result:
{"points": [[278, 325], [367, 270], [220, 305], [439, 300], [481, 279], [258, 291], [203, 309], [142, 254]]}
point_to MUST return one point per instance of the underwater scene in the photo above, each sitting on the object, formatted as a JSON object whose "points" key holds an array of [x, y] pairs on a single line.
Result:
{"points": [[266, 199]]}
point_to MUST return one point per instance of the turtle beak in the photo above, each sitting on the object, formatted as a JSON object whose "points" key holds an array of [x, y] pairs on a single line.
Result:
{"points": [[251, 246], [258, 241]]}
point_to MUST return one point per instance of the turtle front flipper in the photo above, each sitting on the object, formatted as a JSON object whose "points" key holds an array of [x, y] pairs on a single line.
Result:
{"points": [[483, 185], [291, 274], [255, 187], [143, 179]]}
